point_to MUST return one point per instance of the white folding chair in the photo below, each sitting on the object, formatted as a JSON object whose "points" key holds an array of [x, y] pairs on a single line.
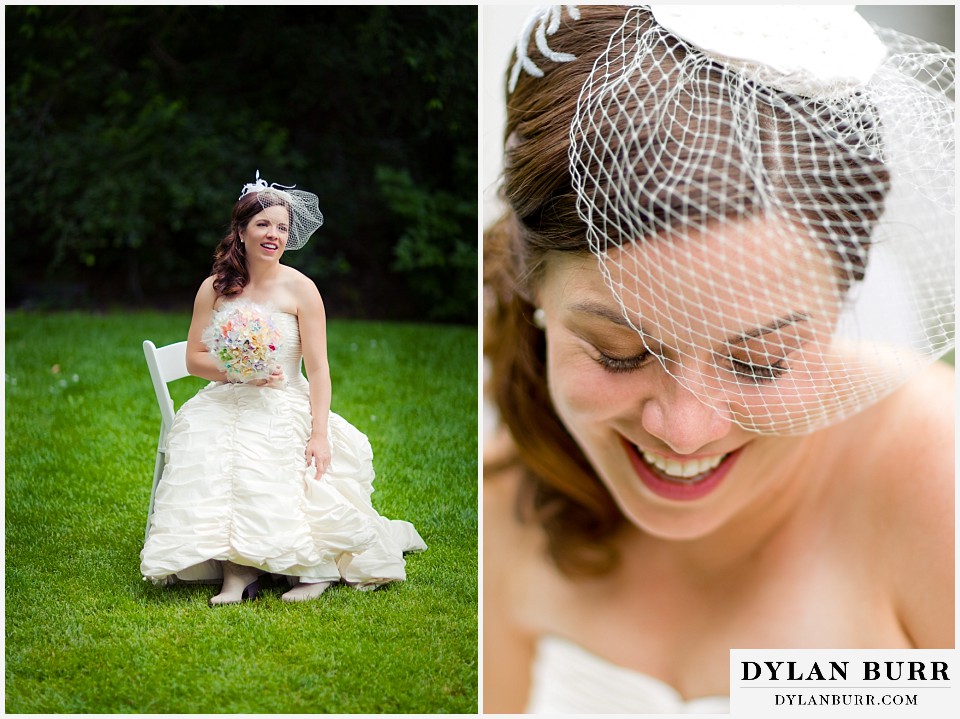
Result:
{"points": [[166, 364]]}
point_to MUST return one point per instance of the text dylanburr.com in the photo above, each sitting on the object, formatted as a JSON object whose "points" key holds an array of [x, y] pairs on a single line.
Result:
{"points": [[845, 682]]}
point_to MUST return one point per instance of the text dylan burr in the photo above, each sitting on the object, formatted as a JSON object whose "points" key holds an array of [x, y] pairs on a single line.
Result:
{"points": [[838, 671]]}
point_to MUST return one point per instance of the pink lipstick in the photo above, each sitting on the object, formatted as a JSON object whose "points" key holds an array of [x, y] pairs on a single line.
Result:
{"points": [[679, 489]]}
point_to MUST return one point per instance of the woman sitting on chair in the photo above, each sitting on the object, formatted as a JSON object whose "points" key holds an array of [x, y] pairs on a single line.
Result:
{"points": [[261, 477]]}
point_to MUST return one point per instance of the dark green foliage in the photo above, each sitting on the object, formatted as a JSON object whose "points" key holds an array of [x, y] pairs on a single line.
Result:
{"points": [[84, 633], [131, 129], [435, 248]]}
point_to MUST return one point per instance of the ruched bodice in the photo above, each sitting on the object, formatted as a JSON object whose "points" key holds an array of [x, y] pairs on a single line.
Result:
{"points": [[236, 487], [291, 350], [568, 679]]}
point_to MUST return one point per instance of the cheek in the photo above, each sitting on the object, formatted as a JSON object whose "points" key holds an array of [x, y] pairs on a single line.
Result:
{"points": [[580, 389]]}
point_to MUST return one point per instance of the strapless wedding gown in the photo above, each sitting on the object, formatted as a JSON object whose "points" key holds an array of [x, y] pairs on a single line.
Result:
{"points": [[568, 679], [236, 487]]}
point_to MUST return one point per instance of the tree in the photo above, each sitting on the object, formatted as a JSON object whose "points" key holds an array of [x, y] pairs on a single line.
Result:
{"points": [[130, 130]]}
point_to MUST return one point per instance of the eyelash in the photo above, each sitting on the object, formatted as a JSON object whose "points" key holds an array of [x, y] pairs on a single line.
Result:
{"points": [[282, 228], [617, 365], [758, 374]]}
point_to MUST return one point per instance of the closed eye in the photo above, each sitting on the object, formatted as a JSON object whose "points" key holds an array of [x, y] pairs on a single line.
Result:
{"points": [[617, 365], [758, 372], [763, 350]]}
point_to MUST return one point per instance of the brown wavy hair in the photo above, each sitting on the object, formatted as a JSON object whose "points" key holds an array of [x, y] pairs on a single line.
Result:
{"points": [[229, 259], [560, 490]]}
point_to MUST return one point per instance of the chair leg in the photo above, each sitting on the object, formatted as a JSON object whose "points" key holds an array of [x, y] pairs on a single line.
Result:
{"points": [[157, 473]]}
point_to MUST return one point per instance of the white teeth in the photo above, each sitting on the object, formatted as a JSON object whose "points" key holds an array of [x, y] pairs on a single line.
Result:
{"points": [[684, 470]]}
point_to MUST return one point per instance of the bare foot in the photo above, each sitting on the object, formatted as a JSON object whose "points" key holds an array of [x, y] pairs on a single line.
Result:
{"points": [[239, 583], [304, 592]]}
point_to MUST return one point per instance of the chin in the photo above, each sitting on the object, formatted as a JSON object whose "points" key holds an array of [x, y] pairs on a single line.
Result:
{"points": [[672, 523], [677, 528]]}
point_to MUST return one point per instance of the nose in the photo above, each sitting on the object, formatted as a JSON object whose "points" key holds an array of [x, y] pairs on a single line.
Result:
{"points": [[681, 420]]}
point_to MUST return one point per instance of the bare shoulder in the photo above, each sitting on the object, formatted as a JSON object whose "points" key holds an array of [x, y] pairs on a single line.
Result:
{"points": [[206, 294], [302, 288], [912, 476], [508, 645], [502, 477], [203, 307], [916, 425], [296, 278], [206, 299], [499, 513], [514, 550]]}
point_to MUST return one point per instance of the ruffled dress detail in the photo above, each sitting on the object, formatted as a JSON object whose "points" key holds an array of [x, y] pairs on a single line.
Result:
{"points": [[568, 679], [236, 487]]}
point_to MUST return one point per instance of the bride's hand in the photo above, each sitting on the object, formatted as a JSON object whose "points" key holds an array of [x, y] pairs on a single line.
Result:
{"points": [[318, 453], [275, 380]]}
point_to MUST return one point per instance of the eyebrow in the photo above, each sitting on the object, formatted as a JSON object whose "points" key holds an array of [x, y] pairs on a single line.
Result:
{"points": [[603, 311], [617, 318], [777, 324]]}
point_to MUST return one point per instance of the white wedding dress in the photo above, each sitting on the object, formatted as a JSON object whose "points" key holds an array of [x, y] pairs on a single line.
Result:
{"points": [[236, 487], [568, 679]]}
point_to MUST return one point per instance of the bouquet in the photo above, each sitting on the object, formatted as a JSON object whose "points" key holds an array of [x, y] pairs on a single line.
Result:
{"points": [[244, 340]]}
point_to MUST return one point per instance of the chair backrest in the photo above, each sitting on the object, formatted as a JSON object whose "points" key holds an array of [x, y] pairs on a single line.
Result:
{"points": [[165, 364]]}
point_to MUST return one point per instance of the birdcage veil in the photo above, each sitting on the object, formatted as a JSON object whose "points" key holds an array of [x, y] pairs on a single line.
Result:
{"points": [[769, 194], [305, 215]]}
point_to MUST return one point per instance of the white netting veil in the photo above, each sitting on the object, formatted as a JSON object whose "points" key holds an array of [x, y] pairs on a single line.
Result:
{"points": [[304, 208], [779, 233]]}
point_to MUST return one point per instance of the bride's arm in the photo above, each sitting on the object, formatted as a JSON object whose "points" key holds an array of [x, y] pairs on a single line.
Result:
{"points": [[200, 363], [313, 338]]}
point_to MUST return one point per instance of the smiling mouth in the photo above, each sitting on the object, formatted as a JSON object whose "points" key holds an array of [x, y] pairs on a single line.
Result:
{"points": [[688, 472], [268, 245], [679, 480]]}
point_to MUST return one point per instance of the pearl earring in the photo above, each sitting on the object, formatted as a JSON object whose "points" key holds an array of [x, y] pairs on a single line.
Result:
{"points": [[540, 318]]}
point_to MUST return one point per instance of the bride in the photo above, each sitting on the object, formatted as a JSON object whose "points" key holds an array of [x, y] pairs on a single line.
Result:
{"points": [[261, 477], [713, 308]]}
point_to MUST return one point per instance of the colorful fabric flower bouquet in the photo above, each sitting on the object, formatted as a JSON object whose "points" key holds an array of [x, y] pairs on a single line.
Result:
{"points": [[244, 340]]}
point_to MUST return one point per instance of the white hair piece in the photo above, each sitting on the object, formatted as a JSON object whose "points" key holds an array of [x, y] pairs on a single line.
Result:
{"points": [[547, 19]]}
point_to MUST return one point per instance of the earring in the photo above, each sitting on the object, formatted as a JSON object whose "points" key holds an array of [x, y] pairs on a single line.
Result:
{"points": [[540, 318]]}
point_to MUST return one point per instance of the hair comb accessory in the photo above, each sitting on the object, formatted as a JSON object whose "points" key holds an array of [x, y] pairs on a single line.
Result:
{"points": [[259, 185], [769, 193], [304, 208], [547, 19]]}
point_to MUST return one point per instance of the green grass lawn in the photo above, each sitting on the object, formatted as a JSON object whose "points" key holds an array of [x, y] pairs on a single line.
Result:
{"points": [[84, 632]]}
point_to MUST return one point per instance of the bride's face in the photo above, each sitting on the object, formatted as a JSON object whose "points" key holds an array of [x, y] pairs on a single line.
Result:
{"points": [[265, 236], [653, 405]]}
